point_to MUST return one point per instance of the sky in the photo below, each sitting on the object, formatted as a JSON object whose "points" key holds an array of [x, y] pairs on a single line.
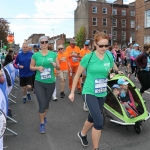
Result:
{"points": [[16, 11]]}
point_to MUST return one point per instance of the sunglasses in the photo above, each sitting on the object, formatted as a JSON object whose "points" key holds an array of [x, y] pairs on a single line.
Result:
{"points": [[86, 45], [60, 48], [42, 42], [101, 46]]}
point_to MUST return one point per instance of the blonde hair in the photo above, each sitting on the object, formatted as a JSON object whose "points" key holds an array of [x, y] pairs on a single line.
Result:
{"points": [[100, 35]]}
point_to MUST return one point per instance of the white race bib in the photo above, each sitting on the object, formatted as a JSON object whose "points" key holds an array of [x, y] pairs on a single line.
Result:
{"points": [[46, 74], [74, 59], [100, 86]]}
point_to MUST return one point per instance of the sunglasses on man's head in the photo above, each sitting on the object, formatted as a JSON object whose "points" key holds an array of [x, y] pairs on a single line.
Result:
{"points": [[60, 48], [101, 46], [42, 42]]}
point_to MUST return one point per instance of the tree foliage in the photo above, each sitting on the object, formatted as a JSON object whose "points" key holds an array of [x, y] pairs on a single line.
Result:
{"points": [[4, 30], [80, 38]]}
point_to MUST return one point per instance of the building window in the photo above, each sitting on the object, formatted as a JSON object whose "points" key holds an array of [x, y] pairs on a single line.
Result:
{"points": [[123, 12], [132, 13], [94, 21], [104, 10], [146, 39], [105, 31], [114, 11], [94, 9], [132, 24], [133, 36], [123, 36], [93, 33], [123, 23], [114, 22], [104, 22], [147, 18], [114, 35]]}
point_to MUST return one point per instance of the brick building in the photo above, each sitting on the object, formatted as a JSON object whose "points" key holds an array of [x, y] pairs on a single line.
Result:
{"points": [[142, 10], [34, 38], [116, 19], [57, 40]]}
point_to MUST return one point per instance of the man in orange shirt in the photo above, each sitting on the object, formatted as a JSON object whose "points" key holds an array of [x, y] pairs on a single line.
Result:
{"points": [[74, 58], [63, 72]]}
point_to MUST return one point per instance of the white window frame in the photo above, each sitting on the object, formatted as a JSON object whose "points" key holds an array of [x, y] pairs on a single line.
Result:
{"points": [[94, 9], [94, 21], [104, 10], [147, 19], [114, 35], [132, 12], [123, 23], [103, 22], [114, 10], [113, 22], [105, 31], [123, 35], [133, 35], [132, 24], [123, 12], [146, 39]]}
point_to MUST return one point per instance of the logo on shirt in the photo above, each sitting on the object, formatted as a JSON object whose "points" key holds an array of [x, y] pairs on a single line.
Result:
{"points": [[50, 59], [107, 64]]}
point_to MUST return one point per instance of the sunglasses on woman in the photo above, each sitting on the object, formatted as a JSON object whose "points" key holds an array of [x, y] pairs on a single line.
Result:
{"points": [[42, 42], [101, 46], [60, 48]]}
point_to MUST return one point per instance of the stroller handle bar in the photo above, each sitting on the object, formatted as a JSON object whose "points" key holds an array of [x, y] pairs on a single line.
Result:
{"points": [[121, 123], [147, 117]]}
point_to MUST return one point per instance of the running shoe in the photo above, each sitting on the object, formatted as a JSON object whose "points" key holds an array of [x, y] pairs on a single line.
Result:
{"points": [[42, 129], [61, 95], [85, 108], [83, 139], [45, 121], [29, 96], [24, 100], [54, 98], [79, 91], [96, 149]]}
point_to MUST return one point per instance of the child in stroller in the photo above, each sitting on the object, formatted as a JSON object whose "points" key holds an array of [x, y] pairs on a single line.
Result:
{"points": [[126, 99]]}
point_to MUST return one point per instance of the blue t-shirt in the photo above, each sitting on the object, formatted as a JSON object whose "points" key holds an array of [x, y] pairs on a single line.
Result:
{"points": [[24, 59], [135, 53], [148, 65]]}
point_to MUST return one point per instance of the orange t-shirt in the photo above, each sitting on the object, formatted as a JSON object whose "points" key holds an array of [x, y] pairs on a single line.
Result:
{"points": [[74, 61], [83, 52], [63, 64]]}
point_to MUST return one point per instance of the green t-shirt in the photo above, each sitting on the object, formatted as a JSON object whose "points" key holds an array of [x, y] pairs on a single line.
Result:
{"points": [[97, 73], [47, 76]]}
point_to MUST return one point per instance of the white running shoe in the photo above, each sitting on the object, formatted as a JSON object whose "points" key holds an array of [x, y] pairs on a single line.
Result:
{"points": [[54, 98], [85, 107]]}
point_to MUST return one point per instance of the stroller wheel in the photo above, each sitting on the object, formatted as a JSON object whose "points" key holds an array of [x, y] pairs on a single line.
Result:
{"points": [[138, 128]]}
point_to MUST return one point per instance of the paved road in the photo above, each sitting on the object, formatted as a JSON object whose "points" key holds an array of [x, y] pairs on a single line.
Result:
{"points": [[65, 119]]}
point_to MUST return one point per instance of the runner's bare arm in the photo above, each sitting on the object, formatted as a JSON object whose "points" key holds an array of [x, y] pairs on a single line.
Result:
{"points": [[32, 65]]}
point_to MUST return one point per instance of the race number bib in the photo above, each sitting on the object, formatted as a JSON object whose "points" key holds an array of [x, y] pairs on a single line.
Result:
{"points": [[100, 86], [2, 123], [46, 74], [74, 59]]}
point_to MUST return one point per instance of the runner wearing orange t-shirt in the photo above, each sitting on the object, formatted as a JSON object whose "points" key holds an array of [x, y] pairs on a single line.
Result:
{"points": [[63, 72], [74, 58]]}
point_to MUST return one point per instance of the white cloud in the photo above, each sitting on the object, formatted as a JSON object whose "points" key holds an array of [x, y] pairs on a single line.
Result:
{"points": [[22, 16], [128, 1]]}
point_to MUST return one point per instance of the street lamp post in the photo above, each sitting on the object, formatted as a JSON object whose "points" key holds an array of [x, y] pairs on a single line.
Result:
{"points": [[112, 25], [53, 40]]}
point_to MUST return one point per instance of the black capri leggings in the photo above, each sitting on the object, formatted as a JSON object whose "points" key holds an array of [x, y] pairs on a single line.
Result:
{"points": [[44, 92], [95, 105], [144, 78], [134, 70]]}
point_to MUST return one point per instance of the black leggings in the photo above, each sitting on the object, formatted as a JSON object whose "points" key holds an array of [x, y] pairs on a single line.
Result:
{"points": [[44, 92], [144, 78], [95, 105], [134, 70]]}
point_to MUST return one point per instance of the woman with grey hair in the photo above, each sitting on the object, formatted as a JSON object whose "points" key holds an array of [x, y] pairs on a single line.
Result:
{"points": [[43, 63]]}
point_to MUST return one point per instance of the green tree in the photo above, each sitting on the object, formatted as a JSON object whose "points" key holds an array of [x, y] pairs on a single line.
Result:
{"points": [[80, 38], [4, 30]]}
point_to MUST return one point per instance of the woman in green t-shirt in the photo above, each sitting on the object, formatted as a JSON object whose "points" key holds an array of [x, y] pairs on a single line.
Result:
{"points": [[44, 62], [98, 65]]}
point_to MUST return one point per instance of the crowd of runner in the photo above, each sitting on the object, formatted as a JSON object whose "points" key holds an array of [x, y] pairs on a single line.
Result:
{"points": [[87, 72]]}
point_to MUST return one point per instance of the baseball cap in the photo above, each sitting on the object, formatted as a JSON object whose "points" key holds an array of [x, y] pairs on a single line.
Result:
{"points": [[73, 41], [86, 43], [115, 86], [122, 81], [135, 45]]}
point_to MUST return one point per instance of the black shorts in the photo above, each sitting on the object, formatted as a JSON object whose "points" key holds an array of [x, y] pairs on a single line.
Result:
{"points": [[24, 81]]}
